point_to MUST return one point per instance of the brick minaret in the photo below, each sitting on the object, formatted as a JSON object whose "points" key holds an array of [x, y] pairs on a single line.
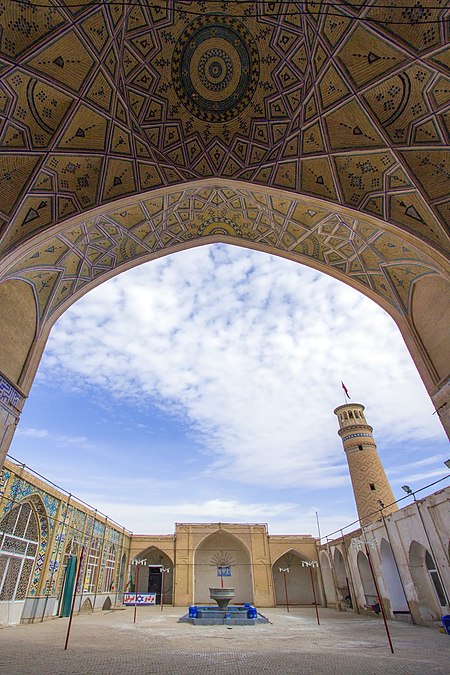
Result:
{"points": [[370, 485]]}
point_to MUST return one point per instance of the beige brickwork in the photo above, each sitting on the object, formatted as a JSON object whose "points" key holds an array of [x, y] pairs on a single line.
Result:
{"points": [[370, 484]]}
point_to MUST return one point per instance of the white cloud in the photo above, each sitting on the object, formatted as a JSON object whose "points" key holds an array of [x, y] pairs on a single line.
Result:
{"points": [[420, 477], [60, 439], [250, 350], [160, 518]]}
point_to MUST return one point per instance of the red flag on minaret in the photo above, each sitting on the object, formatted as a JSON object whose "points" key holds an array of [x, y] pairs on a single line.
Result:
{"points": [[345, 390]]}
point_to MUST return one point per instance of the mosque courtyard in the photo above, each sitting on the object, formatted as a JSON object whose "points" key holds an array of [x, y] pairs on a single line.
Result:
{"points": [[109, 642]]}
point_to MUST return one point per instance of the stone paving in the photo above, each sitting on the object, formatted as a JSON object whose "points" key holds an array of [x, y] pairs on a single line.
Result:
{"points": [[109, 642]]}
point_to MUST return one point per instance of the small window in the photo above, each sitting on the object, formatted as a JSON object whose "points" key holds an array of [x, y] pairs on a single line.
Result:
{"points": [[350, 414], [372, 486], [431, 567], [360, 447]]}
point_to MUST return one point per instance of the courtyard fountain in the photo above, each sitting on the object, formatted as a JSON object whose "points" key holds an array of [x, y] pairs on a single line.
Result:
{"points": [[224, 613]]}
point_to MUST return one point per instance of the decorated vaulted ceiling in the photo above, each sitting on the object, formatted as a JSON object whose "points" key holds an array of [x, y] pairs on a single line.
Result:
{"points": [[134, 127]]}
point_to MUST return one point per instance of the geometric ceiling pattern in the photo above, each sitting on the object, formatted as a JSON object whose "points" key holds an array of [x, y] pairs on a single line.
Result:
{"points": [[345, 102], [375, 261]]}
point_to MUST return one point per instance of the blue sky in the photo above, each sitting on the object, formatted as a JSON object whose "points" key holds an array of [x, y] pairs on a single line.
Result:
{"points": [[201, 387]]}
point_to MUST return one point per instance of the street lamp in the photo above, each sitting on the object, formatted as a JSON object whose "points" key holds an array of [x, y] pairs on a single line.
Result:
{"points": [[311, 564], [284, 570]]}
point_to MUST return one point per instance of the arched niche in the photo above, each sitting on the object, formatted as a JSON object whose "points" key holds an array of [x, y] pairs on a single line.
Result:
{"points": [[397, 599], [86, 606], [327, 577], [294, 587], [430, 608], [370, 593], [18, 325], [156, 574], [107, 604], [342, 587], [44, 541], [222, 560], [109, 569]]}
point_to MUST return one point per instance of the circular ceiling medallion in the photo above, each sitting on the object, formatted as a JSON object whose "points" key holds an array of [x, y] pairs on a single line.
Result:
{"points": [[215, 68]]}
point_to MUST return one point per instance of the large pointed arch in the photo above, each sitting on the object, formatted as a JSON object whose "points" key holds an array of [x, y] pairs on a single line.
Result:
{"points": [[387, 265], [221, 559], [292, 579], [156, 574]]}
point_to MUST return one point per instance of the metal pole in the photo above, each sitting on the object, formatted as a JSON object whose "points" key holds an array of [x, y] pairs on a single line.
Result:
{"points": [[378, 596], [136, 593], [73, 599], [318, 527], [162, 588], [314, 594]]}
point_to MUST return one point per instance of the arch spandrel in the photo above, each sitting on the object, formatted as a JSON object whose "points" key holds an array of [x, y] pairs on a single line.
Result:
{"points": [[81, 254], [347, 104]]}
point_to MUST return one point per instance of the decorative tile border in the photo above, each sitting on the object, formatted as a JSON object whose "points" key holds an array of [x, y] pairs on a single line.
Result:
{"points": [[8, 394]]}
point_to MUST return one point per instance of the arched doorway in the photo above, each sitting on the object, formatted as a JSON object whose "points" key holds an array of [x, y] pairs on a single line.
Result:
{"points": [[156, 573], [222, 560], [19, 543], [430, 595], [292, 581]]}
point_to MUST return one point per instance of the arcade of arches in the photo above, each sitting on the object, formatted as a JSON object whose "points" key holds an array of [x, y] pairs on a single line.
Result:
{"points": [[312, 131], [46, 534]]}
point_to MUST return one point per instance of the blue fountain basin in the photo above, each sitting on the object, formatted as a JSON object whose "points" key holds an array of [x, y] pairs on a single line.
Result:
{"points": [[234, 615]]}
